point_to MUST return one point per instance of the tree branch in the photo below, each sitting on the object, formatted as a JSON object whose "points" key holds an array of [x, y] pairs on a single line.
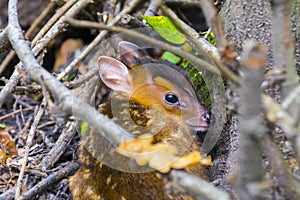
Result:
{"points": [[283, 49], [214, 22], [68, 103], [3, 39], [60, 145], [250, 124], [97, 40], [13, 81], [53, 178], [200, 188], [154, 42], [201, 45], [69, 5], [54, 30], [275, 113], [29, 141]]}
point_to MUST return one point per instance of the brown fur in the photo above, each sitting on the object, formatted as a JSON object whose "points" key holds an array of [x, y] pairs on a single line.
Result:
{"points": [[96, 180]]}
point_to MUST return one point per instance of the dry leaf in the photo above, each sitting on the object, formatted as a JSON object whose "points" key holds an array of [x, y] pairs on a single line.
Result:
{"points": [[7, 146], [160, 156]]}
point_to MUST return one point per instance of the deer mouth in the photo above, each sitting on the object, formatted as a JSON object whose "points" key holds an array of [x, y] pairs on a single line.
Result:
{"points": [[200, 122], [198, 128]]}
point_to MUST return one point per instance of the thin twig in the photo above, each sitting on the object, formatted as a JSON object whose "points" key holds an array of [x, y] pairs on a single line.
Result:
{"points": [[153, 8], [292, 97], [288, 185], [283, 51], [28, 33], [44, 41], [29, 141], [25, 127], [59, 147], [51, 23], [277, 114], [97, 40], [24, 89], [82, 79], [40, 19], [58, 26], [183, 3], [27, 105], [197, 186], [8, 195], [214, 22], [131, 21], [67, 103], [15, 112], [7, 60], [13, 81], [180, 24], [3, 38], [203, 47], [53, 178], [142, 37], [49, 123]]}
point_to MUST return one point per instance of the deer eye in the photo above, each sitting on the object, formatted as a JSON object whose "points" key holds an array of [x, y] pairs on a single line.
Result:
{"points": [[171, 98]]}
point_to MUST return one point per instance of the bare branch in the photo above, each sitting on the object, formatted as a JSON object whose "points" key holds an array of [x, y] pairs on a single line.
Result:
{"points": [[283, 48], [3, 38], [39, 20], [183, 26], [183, 3], [68, 103], [61, 144], [277, 114], [28, 34], [250, 124], [29, 141], [9, 194], [201, 45], [50, 24], [153, 7], [53, 178], [54, 30], [200, 188], [97, 40], [292, 97], [15, 112], [288, 184], [193, 59], [214, 22], [13, 81]]}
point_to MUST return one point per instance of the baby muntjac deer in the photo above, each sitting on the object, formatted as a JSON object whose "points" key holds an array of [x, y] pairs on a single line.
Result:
{"points": [[149, 97]]}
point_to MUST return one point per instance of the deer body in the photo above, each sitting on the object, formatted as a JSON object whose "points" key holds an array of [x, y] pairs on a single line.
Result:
{"points": [[153, 104]]}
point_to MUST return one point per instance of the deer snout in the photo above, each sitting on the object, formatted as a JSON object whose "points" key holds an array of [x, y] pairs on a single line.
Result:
{"points": [[207, 117]]}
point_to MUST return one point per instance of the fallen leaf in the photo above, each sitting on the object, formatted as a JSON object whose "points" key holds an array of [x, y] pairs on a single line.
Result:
{"points": [[7, 146], [160, 156]]}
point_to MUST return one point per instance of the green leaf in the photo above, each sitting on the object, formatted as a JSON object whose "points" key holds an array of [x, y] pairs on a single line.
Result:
{"points": [[171, 57], [84, 127], [210, 37], [3, 126], [165, 28]]}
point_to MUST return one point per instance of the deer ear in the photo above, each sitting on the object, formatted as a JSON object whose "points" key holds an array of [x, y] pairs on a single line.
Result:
{"points": [[131, 54], [114, 74]]}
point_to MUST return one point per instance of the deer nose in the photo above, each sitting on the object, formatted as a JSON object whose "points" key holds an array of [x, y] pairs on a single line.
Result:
{"points": [[207, 117]]}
